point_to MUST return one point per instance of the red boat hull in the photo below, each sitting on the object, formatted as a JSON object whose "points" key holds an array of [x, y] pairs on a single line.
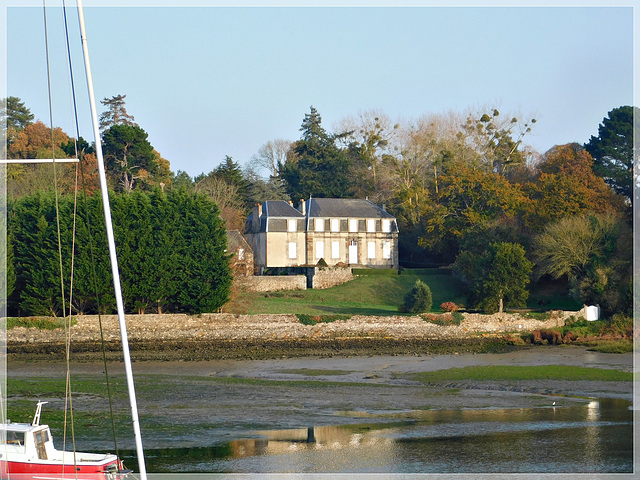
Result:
{"points": [[50, 470]]}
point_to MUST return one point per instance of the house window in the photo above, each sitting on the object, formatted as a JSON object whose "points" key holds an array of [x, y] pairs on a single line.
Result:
{"points": [[241, 254], [293, 251], [386, 226], [353, 224], [293, 225], [371, 250], [386, 250], [335, 224], [371, 225], [319, 224], [319, 250], [335, 249]]}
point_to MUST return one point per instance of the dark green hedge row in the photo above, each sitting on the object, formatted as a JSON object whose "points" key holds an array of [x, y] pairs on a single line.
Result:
{"points": [[170, 245]]}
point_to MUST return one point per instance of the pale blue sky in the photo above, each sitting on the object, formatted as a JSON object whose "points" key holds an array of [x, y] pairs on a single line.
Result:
{"points": [[210, 81]]}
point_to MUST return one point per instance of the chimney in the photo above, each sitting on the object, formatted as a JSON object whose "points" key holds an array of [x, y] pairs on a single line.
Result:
{"points": [[303, 206], [259, 209]]}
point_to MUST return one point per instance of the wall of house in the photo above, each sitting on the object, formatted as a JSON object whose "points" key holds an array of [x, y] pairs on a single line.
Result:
{"points": [[271, 249], [278, 248], [360, 240], [258, 243]]}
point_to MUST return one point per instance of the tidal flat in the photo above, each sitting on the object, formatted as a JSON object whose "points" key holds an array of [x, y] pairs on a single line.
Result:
{"points": [[189, 404]]}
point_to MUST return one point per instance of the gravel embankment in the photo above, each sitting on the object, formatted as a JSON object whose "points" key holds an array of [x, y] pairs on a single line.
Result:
{"points": [[255, 336]]}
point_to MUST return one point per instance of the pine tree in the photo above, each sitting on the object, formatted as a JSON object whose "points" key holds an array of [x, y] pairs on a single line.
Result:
{"points": [[116, 113], [317, 166]]}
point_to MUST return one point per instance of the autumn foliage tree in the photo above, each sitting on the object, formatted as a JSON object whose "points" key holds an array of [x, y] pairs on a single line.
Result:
{"points": [[567, 186], [468, 197]]}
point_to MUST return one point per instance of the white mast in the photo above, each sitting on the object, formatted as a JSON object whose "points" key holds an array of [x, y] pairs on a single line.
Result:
{"points": [[112, 249]]}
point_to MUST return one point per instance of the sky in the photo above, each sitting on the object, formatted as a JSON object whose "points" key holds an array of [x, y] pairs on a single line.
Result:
{"points": [[206, 81]]}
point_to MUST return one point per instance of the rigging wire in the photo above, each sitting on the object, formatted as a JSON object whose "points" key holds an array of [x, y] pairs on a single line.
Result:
{"points": [[94, 276], [68, 397]]}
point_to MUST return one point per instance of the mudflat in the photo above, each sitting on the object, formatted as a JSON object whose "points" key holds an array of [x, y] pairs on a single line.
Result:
{"points": [[227, 398]]}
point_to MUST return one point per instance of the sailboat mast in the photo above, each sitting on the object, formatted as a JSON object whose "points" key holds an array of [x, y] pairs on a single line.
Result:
{"points": [[112, 249]]}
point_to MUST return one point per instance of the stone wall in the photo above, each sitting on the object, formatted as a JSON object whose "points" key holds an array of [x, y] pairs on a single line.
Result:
{"points": [[331, 276], [272, 283]]}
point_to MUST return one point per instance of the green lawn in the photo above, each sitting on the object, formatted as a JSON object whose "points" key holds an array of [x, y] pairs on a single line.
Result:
{"points": [[377, 293], [380, 292]]}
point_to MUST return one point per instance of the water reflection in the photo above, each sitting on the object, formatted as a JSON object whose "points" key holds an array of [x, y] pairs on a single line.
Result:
{"points": [[596, 437]]}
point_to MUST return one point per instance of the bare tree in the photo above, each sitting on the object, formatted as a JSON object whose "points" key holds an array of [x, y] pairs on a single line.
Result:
{"points": [[271, 156], [224, 194]]}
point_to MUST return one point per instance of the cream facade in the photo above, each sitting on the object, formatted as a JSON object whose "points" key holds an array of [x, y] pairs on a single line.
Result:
{"points": [[339, 231]]}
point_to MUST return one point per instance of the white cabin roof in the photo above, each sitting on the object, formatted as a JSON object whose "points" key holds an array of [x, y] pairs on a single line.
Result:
{"points": [[21, 427]]}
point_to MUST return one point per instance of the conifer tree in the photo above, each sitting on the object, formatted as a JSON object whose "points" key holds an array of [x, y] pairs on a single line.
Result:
{"points": [[116, 113]]}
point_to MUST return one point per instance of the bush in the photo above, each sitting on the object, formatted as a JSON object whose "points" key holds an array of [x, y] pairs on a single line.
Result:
{"points": [[315, 319], [443, 319], [448, 307], [418, 299], [41, 323]]}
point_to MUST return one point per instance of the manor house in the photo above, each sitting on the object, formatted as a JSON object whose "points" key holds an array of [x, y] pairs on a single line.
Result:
{"points": [[350, 232]]}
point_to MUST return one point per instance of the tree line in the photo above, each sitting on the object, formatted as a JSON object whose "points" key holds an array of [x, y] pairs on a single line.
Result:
{"points": [[466, 189], [171, 254]]}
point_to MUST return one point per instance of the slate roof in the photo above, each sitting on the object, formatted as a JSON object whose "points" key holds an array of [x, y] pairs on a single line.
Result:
{"points": [[279, 208], [345, 207]]}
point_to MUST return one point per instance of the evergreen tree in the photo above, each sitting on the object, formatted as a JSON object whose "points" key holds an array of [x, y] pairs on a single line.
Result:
{"points": [[15, 113], [612, 150], [316, 167], [232, 174], [128, 156], [419, 299], [497, 277], [37, 261], [116, 113], [171, 254]]}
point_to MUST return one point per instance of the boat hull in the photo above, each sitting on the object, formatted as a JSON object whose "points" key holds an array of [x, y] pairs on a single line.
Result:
{"points": [[108, 470]]}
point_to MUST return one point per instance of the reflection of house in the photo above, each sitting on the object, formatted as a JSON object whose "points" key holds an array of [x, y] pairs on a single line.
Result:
{"points": [[349, 231], [242, 260]]}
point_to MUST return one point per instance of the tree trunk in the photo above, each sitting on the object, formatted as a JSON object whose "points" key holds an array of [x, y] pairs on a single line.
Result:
{"points": [[500, 305]]}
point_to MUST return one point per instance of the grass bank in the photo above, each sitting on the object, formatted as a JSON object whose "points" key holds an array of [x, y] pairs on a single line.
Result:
{"points": [[371, 292], [380, 292]]}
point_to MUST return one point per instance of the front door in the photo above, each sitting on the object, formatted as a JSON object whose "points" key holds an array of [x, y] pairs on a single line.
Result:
{"points": [[353, 253]]}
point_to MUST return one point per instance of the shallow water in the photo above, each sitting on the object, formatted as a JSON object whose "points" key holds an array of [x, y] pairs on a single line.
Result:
{"points": [[591, 438], [360, 414]]}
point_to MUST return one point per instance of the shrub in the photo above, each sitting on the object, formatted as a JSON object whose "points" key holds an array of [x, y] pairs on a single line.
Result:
{"points": [[457, 317], [41, 323], [544, 336], [315, 319], [418, 299], [448, 307], [444, 319]]}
